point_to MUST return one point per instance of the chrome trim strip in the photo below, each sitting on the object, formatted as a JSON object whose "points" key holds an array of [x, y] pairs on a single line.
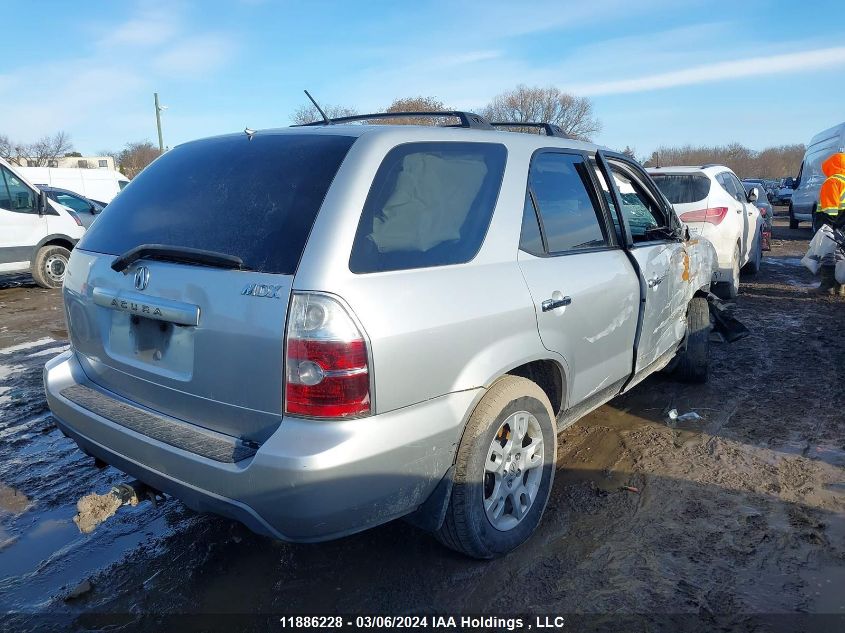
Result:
{"points": [[148, 307]]}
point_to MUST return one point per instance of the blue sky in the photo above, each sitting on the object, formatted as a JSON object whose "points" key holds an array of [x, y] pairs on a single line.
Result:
{"points": [[659, 72]]}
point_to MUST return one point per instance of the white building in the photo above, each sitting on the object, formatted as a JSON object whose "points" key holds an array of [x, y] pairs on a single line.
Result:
{"points": [[82, 162]]}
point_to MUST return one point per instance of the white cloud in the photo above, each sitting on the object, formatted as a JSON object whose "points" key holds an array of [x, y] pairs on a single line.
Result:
{"points": [[152, 26], [721, 71], [102, 96], [196, 55]]}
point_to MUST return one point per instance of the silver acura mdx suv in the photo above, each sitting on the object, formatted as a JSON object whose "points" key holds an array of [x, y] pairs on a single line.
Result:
{"points": [[316, 330]]}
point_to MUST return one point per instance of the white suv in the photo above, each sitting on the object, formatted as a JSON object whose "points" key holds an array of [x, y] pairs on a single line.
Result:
{"points": [[712, 202], [36, 233]]}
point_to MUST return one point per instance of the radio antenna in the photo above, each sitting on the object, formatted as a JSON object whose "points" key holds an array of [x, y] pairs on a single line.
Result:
{"points": [[319, 109]]}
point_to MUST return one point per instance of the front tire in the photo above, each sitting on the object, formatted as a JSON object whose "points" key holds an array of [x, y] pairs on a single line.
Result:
{"points": [[793, 223], [503, 472], [50, 265], [694, 362]]}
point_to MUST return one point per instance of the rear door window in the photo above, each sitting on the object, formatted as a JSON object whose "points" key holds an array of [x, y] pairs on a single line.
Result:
{"points": [[254, 199], [430, 204], [728, 184], [683, 188], [570, 214]]}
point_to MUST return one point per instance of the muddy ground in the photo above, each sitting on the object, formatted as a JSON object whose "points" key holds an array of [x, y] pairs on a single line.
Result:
{"points": [[741, 512]]}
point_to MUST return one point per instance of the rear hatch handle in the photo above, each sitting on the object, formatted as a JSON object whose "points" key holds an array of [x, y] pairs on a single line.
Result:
{"points": [[184, 254]]}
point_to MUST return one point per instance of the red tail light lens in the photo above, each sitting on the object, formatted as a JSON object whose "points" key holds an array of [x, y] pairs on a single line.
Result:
{"points": [[327, 364], [713, 215]]}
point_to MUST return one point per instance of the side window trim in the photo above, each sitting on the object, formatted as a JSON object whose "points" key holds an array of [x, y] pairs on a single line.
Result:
{"points": [[592, 191]]}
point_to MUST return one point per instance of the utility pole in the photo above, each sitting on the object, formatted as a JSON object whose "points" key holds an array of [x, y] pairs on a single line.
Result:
{"points": [[158, 124]]}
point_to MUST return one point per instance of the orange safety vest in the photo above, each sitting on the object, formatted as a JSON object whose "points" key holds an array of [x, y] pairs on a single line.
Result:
{"points": [[832, 193]]}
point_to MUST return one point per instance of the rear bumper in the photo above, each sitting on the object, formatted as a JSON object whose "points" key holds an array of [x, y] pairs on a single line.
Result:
{"points": [[722, 245], [310, 481]]}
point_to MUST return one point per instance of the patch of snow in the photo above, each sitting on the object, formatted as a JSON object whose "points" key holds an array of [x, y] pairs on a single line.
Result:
{"points": [[27, 345], [50, 351]]}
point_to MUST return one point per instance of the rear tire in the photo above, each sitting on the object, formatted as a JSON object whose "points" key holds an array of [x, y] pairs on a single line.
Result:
{"points": [[730, 289], [50, 265], [494, 477], [694, 362], [793, 223]]}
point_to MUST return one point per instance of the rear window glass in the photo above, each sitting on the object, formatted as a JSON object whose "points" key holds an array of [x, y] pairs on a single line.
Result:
{"points": [[430, 205], [683, 188], [255, 199]]}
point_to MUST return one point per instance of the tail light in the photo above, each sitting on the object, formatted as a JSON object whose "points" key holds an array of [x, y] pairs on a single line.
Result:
{"points": [[327, 361], [762, 211], [713, 215]]}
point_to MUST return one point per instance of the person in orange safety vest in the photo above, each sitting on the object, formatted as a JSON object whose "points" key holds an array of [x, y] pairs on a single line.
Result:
{"points": [[831, 205]]}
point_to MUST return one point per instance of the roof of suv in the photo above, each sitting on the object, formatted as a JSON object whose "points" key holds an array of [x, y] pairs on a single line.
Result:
{"points": [[407, 133], [710, 170]]}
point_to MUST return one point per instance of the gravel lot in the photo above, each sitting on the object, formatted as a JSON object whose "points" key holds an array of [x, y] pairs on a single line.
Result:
{"points": [[741, 512]]}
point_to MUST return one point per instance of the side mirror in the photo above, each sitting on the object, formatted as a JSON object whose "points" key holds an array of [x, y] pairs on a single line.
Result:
{"points": [[753, 194], [43, 204]]}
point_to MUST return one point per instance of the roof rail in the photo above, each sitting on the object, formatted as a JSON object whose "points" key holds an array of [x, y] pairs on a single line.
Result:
{"points": [[467, 119], [549, 128], [705, 166]]}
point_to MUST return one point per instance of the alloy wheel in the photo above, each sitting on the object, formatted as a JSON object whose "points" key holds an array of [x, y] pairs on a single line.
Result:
{"points": [[513, 470]]}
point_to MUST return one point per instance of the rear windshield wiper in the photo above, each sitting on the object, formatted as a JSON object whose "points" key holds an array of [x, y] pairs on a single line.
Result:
{"points": [[177, 254]]}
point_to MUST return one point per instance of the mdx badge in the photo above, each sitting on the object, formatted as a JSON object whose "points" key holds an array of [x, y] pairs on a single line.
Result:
{"points": [[142, 277], [263, 290]]}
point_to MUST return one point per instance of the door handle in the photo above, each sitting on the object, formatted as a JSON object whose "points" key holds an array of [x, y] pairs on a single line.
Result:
{"points": [[655, 281], [552, 304]]}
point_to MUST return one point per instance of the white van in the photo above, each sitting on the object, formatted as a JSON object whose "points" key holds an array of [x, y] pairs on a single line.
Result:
{"points": [[100, 185], [805, 198], [36, 233]]}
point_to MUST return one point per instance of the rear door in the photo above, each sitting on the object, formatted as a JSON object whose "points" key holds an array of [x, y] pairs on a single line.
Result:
{"points": [[749, 214], [584, 289], [201, 343], [736, 218], [21, 226], [660, 255]]}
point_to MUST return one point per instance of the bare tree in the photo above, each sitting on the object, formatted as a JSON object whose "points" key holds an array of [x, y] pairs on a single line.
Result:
{"points": [[630, 151], [48, 148], [772, 162], [7, 148], [136, 156], [416, 104], [574, 115], [308, 113]]}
